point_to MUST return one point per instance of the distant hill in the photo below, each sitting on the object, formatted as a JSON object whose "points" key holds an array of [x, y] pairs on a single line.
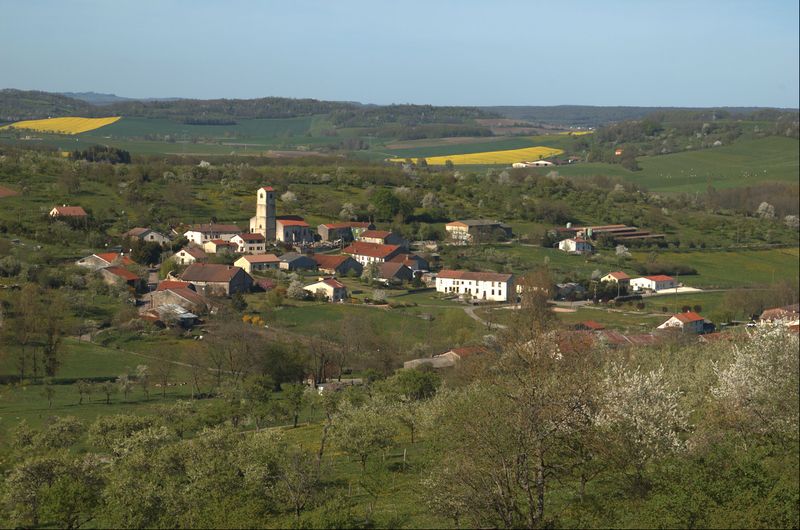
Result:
{"points": [[97, 98], [18, 105], [590, 116]]}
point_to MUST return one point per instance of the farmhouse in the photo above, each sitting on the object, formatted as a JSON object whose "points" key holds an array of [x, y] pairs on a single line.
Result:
{"points": [[104, 259], [617, 277], [393, 272], [115, 275], [382, 237], [217, 246], [182, 294], [258, 262], [366, 253], [689, 322], [339, 264], [653, 283], [788, 315], [68, 211], [292, 261], [293, 229], [248, 243], [188, 255], [335, 291], [490, 286], [575, 245], [477, 230], [346, 232], [213, 279], [200, 233], [147, 235], [447, 359]]}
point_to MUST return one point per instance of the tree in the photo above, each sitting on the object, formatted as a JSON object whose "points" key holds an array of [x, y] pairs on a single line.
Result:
{"points": [[258, 394], [48, 392], [370, 272], [298, 478], [295, 396], [143, 378], [125, 385], [107, 388], [296, 291], [84, 388], [362, 431]]}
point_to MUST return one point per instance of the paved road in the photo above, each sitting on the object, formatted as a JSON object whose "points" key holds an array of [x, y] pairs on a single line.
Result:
{"points": [[470, 310]]}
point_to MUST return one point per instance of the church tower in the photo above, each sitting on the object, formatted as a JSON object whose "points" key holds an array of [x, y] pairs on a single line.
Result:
{"points": [[264, 221]]}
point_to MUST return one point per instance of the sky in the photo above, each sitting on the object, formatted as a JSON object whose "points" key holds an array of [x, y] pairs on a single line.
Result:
{"points": [[446, 52]]}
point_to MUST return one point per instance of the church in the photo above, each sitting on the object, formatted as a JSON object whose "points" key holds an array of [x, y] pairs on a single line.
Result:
{"points": [[287, 228]]}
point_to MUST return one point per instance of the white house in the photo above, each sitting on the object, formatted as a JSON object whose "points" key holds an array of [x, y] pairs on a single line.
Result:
{"points": [[217, 246], [188, 255], [689, 322], [575, 245], [490, 286], [535, 163], [200, 233], [103, 260], [333, 289], [258, 262], [653, 283], [250, 243]]}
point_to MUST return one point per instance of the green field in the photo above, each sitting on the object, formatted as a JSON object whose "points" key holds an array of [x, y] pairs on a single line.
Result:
{"points": [[745, 163]]}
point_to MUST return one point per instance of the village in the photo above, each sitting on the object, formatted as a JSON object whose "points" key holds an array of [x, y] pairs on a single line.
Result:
{"points": [[354, 262]]}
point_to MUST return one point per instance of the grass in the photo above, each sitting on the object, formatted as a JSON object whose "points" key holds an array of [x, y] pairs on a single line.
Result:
{"points": [[746, 162]]}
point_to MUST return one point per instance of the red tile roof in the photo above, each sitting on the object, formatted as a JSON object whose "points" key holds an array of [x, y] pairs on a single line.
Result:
{"points": [[378, 234], [689, 316], [122, 273], [476, 276], [292, 222], [247, 236], [373, 250], [222, 243], [71, 211], [466, 351], [111, 257], [172, 284], [619, 275], [660, 278], [349, 224], [329, 261], [333, 282], [195, 252], [595, 326], [189, 294], [266, 188]]}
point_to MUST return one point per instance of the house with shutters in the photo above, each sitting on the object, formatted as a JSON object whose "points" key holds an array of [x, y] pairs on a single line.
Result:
{"points": [[188, 255], [249, 243], [366, 253], [148, 235], [200, 233], [104, 259], [489, 286], [216, 279]]}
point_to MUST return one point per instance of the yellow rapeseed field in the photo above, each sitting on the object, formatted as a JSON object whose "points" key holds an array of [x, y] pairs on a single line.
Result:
{"points": [[67, 125], [508, 156]]}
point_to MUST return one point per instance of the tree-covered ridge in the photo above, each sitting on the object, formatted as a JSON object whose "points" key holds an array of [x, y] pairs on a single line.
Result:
{"points": [[17, 105]]}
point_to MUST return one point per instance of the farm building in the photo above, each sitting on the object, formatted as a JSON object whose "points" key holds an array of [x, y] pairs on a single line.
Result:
{"points": [[489, 286], [339, 264], [653, 283], [334, 290], [217, 246], [447, 359], [116, 275], [104, 259], [476, 230], [394, 272], [346, 232], [366, 253], [182, 294], [68, 211], [292, 261], [293, 229], [535, 163], [258, 262], [689, 322], [382, 237], [576, 245], [412, 261], [214, 279], [788, 315]]}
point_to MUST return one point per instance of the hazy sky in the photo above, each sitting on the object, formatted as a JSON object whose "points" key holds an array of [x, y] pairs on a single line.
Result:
{"points": [[460, 52]]}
